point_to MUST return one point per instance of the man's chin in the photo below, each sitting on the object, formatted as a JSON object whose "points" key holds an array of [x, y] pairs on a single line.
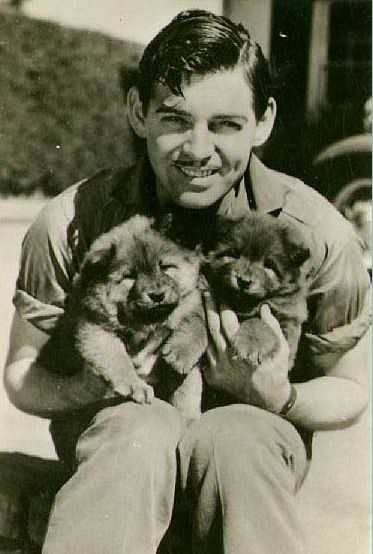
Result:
{"points": [[196, 201]]}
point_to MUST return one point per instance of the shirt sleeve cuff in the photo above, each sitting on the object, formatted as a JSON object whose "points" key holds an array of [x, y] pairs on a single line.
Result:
{"points": [[41, 315], [327, 348]]}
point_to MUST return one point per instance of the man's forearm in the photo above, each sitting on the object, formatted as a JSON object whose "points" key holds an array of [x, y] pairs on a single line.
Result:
{"points": [[35, 391], [328, 403], [338, 399]]}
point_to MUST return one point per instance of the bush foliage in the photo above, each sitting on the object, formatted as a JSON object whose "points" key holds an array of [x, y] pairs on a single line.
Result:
{"points": [[62, 112]]}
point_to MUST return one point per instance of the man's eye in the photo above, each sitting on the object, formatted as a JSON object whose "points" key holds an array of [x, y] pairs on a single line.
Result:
{"points": [[174, 121], [172, 118], [225, 126]]}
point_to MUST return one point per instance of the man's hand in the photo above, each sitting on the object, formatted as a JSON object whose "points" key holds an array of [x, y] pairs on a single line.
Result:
{"points": [[223, 373], [268, 386]]}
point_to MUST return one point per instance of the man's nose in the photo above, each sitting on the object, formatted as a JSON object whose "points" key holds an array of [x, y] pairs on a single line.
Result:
{"points": [[199, 145]]}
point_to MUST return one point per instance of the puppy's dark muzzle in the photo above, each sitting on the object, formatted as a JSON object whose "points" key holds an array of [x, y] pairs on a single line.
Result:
{"points": [[156, 297], [244, 284], [149, 308]]}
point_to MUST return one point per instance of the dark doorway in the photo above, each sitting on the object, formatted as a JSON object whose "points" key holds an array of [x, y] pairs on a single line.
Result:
{"points": [[350, 47], [291, 24]]}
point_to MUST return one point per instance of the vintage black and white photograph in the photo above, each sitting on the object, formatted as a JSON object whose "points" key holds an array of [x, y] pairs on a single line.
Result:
{"points": [[185, 251]]}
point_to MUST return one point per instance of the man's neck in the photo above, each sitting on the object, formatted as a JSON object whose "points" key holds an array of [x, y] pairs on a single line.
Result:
{"points": [[234, 203]]}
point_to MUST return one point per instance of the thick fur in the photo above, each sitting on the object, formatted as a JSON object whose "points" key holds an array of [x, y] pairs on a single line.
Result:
{"points": [[255, 260], [136, 295]]}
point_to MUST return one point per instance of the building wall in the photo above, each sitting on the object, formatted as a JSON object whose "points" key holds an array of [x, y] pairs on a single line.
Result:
{"points": [[256, 15]]}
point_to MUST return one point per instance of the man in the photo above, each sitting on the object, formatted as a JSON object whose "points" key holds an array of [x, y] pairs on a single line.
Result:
{"points": [[202, 102]]}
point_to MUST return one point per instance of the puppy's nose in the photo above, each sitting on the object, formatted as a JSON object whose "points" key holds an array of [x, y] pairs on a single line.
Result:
{"points": [[244, 282], [156, 297]]}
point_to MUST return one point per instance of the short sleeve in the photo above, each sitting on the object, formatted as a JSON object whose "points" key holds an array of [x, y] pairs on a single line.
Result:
{"points": [[46, 265], [339, 301]]}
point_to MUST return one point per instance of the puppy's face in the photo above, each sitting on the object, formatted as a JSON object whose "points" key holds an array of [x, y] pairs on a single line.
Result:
{"points": [[253, 259], [140, 275], [152, 276]]}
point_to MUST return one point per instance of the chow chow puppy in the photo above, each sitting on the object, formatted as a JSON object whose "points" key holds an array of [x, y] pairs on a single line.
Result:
{"points": [[255, 260], [136, 295]]}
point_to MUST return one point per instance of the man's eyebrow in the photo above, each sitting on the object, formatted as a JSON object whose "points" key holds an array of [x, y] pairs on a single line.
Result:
{"points": [[230, 116], [170, 109]]}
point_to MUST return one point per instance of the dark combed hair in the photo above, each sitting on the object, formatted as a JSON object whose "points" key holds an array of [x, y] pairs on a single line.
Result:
{"points": [[200, 42]]}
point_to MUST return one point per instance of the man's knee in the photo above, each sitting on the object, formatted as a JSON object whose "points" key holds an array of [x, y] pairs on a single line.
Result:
{"points": [[240, 434], [144, 429]]}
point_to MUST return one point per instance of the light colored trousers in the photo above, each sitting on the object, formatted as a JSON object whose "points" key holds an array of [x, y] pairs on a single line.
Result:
{"points": [[235, 471]]}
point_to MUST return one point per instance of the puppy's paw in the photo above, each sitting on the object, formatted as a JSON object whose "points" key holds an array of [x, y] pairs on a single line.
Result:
{"points": [[143, 395], [254, 343], [137, 390], [180, 355]]}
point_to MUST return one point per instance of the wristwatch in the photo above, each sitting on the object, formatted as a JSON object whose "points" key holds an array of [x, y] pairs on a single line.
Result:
{"points": [[289, 403]]}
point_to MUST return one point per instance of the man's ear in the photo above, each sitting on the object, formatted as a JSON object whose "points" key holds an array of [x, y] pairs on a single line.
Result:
{"points": [[265, 125], [135, 112]]}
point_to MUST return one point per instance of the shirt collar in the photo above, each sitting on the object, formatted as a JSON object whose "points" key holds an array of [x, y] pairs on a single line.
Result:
{"points": [[268, 187], [276, 192], [137, 188]]}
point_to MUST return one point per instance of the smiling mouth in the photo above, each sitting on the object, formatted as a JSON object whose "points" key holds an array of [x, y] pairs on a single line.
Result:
{"points": [[196, 171]]}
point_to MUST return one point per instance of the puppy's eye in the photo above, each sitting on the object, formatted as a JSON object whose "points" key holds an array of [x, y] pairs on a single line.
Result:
{"points": [[270, 264], [167, 265], [129, 275], [227, 256], [120, 277]]}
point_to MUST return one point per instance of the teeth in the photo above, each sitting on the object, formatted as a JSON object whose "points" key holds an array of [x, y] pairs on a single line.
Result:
{"points": [[195, 172]]}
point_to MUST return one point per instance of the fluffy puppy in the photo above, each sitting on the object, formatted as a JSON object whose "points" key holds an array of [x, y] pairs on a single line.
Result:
{"points": [[136, 295], [255, 260]]}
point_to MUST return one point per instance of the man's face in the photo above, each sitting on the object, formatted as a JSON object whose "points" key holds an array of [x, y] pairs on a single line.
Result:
{"points": [[199, 143]]}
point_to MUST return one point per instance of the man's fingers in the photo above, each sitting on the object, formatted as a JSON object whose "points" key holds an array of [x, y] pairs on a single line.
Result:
{"points": [[211, 356], [229, 322], [269, 319], [213, 322], [212, 316]]}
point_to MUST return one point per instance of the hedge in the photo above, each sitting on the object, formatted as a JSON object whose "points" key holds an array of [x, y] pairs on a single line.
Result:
{"points": [[62, 112]]}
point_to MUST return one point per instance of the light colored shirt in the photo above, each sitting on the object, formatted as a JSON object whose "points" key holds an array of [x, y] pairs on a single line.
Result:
{"points": [[56, 243]]}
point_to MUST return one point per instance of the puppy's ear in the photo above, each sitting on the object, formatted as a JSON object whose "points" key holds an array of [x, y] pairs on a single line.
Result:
{"points": [[174, 226], [207, 263], [294, 242], [198, 250], [163, 224], [299, 254], [203, 284], [97, 262], [219, 230]]}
